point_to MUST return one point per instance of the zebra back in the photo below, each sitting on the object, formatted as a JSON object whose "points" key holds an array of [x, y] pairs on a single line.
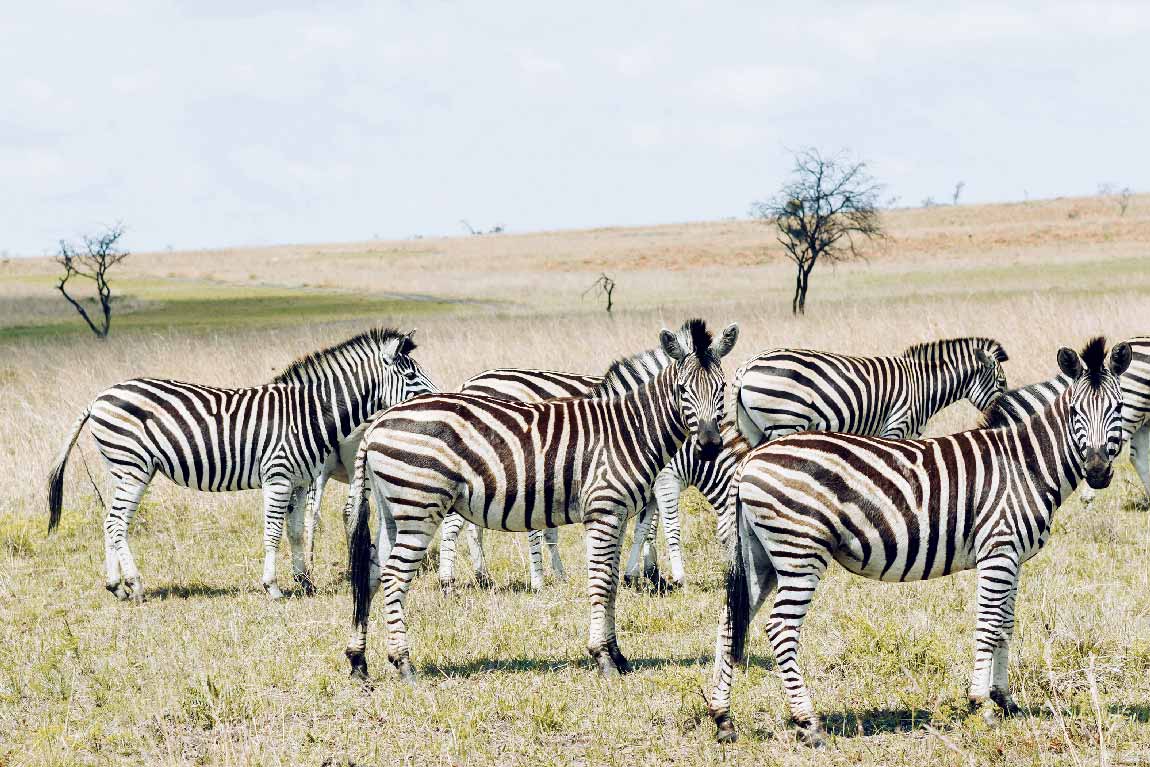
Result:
{"points": [[529, 385]]}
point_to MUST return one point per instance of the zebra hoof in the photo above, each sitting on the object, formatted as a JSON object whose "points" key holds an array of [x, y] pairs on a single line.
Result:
{"points": [[447, 588], [1005, 702], [484, 580], [118, 590], [607, 667], [986, 709], [306, 584], [726, 729], [135, 590], [404, 668], [358, 664], [274, 593], [619, 659], [812, 735]]}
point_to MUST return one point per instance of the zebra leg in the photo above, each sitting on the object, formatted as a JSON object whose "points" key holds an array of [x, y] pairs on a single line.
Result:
{"points": [[1140, 457], [535, 548], [474, 535], [452, 525], [412, 540], [297, 534], [667, 491], [760, 580], [277, 499], [999, 685], [123, 577], [604, 530], [997, 582], [551, 539], [643, 548], [311, 521], [796, 588]]}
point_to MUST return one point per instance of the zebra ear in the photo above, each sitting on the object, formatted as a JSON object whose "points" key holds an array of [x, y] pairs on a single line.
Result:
{"points": [[724, 345], [670, 343], [407, 343], [1069, 362], [1120, 358]]}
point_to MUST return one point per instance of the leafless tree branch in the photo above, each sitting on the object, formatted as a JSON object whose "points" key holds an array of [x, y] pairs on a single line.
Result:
{"points": [[99, 254]]}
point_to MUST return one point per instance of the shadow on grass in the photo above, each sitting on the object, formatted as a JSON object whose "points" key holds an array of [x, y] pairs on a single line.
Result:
{"points": [[192, 591], [1139, 712], [854, 724], [532, 665]]}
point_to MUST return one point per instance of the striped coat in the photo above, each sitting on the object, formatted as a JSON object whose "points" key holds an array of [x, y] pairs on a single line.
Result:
{"points": [[517, 467], [900, 510], [785, 391], [278, 437]]}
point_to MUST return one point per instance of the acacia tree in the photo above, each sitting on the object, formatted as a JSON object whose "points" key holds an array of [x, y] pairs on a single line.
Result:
{"points": [[101, 252], [825, 212]]}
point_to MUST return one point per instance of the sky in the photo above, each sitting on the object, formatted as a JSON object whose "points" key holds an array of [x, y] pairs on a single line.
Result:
{"points": [[215, 122]]}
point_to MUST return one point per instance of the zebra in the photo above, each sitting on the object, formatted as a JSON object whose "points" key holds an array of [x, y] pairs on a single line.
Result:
{"points": [[519, 385], [784, 391], [1023, 402], [903, 510], [279, 437], [712, 478], [520, 466]]}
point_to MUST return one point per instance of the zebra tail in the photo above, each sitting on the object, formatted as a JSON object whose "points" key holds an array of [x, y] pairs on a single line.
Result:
{"points": [[56, 475], [738, 594], [359, 545]]}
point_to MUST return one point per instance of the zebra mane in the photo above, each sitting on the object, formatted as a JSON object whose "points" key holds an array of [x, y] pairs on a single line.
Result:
{"points": [[314, 365], [997, 415], [1094, 360], [633, 372], [931, 350], [630, 373]]}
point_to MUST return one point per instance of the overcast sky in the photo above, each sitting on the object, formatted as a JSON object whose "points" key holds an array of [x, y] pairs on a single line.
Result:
{"points": [[200, 124]]}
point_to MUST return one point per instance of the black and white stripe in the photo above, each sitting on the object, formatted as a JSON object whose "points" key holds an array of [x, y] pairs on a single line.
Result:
{"points": [[687, 468], [519, 466], [278, 437], [902, 510], [1025, 401], [784, 391]]}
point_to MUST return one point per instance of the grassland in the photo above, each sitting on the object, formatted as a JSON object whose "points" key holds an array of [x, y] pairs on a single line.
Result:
{"points": [[208, 672]]}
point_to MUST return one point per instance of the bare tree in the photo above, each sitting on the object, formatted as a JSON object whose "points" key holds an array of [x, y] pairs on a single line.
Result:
{"points": [[603, 286], [101, 252], [957, 192], [1124, 200], [824, 212]]}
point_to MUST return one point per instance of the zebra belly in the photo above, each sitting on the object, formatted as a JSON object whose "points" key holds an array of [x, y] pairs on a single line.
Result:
{"points": [[520, 514]]}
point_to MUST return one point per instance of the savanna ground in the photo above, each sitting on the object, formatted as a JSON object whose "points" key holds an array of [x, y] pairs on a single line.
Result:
{"points": [[207, 671]]}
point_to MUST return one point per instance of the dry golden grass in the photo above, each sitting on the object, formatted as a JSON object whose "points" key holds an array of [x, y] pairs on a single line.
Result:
{"points": [[208, 672]]}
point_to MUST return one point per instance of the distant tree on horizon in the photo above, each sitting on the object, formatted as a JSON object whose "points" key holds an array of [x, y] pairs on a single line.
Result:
{"points": [[100, 253], [829, 206]]}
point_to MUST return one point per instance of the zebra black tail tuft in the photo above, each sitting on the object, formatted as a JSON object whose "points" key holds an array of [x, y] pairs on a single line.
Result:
{"points": [[738, 594], [360, 563], [56, 474], [359, 544]]}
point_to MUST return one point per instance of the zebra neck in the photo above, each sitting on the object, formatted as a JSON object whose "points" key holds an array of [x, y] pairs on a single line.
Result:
{"points": [[347, 401], [940, 384], [1050, 458], [648, 421]]}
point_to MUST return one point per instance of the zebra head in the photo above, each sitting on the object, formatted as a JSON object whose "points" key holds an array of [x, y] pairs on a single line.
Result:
{"points": [[989, 380], [1095, 406], [403, 376], [700, 387]]}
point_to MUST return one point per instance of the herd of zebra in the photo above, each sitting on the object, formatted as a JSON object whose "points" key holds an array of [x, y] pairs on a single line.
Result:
{"points": [[819, 461]]}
